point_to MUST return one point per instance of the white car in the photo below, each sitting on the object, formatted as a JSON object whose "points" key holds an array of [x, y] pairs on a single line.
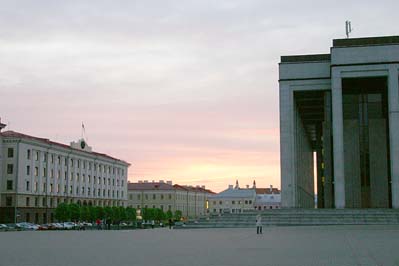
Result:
{"points": [[69, 225]]}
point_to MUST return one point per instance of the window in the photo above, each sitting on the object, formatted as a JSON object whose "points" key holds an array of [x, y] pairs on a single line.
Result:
{"points": [[27, 185], [36, 156], [44, 187], [220, 202], [10, 169], [36, 202], [58, 188], [44, 171], [154, 196], [170, 196], [44, 203], [88, 191], [146, 197], [9, 184], [122, 183], [52, 158], [27, 201], [138, 197], [8, 201], [161, 196], [51, 173], [36, 171], [10, 153], [45, 157], [35, 186], [51, 188], [250, 202], [28, 154], [233, 202], [59, 160], [27, 170]]}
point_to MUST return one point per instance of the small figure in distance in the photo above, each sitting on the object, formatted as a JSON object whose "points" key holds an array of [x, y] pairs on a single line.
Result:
{"points": [[170, 223], [98, 223], [152, 224], [258, 224]]}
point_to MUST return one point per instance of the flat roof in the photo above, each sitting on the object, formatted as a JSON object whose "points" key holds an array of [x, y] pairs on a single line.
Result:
{"points": [[368, 41], [305, 58]]}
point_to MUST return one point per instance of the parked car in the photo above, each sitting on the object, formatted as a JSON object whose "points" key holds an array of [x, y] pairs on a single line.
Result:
{"points": [[69, 225], [58, 226], [27, 226], [3, 227]]}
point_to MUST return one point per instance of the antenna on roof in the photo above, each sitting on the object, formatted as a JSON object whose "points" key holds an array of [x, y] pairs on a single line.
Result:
{"points": [[348, 28]]}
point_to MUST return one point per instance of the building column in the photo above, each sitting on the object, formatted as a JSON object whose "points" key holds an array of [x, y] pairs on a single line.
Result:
{"points": [[287, 154], [393, 105], [327, 154], [338, 140]]}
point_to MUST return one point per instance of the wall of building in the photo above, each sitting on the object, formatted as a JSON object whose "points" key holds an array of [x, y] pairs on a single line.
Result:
{"points": [[49, 182], [304, 165]]}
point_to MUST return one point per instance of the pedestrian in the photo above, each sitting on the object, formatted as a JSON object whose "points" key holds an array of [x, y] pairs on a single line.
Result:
{"points": [[258, 224], [170, 223], [98, 223]]}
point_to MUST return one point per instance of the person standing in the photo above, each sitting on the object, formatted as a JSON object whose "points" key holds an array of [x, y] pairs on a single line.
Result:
{"points": [[258, 224]]}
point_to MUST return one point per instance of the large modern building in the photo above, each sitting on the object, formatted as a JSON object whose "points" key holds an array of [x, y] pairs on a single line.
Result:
{"points": [[37, 174], [190, 200], [340, 112]]}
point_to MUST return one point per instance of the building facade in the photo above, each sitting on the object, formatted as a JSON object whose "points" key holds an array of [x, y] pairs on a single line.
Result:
{"points": [[267, 199], [191, 201], [233, 200], [38, 174], [340, 112]]}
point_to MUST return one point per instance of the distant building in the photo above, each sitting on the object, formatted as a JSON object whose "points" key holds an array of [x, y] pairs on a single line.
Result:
{"points": [[267, 198], [233, 200], [191, 201], [37, 174]]}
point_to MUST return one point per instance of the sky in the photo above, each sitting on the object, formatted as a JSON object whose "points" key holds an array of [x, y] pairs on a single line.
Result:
{"points": [[183, 90]]}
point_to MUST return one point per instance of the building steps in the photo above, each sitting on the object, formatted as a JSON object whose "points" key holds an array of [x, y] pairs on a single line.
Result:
{"points": [[298, 217]]}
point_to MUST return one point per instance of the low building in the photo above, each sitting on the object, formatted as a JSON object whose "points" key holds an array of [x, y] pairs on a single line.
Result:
{"points": [[37, 174], [233, 200], [191, 201], [267, 198]]}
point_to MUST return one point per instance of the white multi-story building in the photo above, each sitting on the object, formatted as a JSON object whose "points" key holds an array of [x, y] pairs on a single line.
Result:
{"points": [[37, 174]]}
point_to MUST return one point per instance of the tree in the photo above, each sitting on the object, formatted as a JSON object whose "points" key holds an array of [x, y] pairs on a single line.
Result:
{"points": [[169, 214], [159, 214], [62, 212], [92, 213], [122, 213], [178, 215], [84, 213], [100, 213], [131, 214], [107, 212], [75, 211]]}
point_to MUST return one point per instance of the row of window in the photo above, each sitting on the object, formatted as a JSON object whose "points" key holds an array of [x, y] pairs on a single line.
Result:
{"points": [[82, 191], [51, 202], [233, 202], [77, 177], [161, 197], [79, 163]]}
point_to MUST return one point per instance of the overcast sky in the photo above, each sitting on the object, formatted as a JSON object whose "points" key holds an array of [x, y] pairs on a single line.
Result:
{"points": [[184, 90]]}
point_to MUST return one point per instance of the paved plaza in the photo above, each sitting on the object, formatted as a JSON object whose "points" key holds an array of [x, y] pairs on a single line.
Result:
{"points": [[327, 245]]}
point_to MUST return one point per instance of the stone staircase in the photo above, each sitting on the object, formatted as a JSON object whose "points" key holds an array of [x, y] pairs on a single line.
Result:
{"points": [[299, 217]]}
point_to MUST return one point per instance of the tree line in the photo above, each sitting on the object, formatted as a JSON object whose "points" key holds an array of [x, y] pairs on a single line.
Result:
{"points": [[75, 212]]}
